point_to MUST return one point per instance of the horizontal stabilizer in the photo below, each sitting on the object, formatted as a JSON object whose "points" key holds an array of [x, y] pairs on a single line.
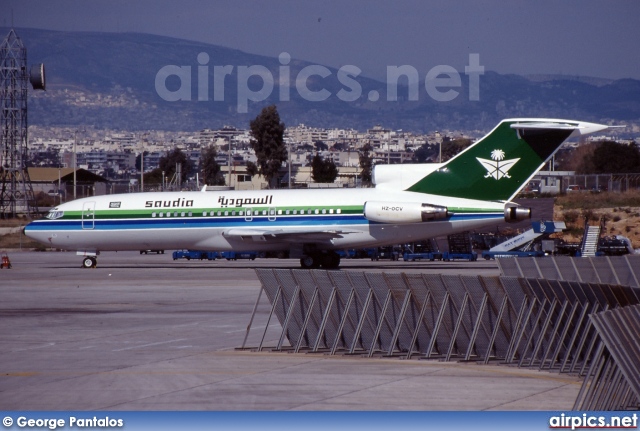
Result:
{"points": [[579, 127], [554, 126]]}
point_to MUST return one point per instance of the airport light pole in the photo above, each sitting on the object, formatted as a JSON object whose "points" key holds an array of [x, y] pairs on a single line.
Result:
{"points": [[142, 169], [289, 154], [142, 162], [229, 162], [75, 161], [389, 148]]}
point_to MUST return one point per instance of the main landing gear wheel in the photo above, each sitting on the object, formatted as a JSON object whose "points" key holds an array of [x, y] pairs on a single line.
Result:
{"points": [[329, 260], [89, 262], [309, 262]]}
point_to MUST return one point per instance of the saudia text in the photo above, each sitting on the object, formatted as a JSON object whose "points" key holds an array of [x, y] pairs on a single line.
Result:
{"points": [[169, 204]]}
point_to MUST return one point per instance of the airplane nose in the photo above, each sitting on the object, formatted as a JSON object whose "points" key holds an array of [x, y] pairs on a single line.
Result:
{"points": [[24, 229]]}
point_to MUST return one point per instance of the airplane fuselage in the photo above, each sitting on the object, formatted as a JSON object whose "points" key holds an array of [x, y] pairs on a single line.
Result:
{"points": [[234, 220]]}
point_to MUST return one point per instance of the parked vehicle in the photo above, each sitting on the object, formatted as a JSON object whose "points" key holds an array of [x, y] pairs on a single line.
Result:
{"points": [[488, 255], [235, 255], [410, 256], [347, 253], [151, 251], [471, 257], [389, 252], [194, 254], [427, 250]]}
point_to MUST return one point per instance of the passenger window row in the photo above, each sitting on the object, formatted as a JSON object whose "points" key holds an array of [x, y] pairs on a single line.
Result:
{"points": [[232, 213], [172, 214]]}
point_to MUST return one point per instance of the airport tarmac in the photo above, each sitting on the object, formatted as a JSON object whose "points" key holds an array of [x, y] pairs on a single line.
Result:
{"points": [[145, 332]]}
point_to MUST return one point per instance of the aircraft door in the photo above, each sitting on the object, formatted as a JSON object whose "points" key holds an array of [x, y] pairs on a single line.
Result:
{"points": [[88, 215], [272, 214], [248, 214]]}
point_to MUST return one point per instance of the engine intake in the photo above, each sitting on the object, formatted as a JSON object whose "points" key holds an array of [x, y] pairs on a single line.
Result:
{"points": [[516, 214], [403, 212]]}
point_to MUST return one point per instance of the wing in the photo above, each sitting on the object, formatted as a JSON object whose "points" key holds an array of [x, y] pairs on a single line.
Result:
{"points": [[279, 235]]}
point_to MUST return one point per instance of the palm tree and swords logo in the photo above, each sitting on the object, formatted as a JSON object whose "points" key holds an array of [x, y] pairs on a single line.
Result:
{"points": [[497, 168]]}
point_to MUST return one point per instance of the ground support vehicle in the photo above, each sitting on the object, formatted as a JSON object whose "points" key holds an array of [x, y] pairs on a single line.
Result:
{"points": [[235, 255], [409, 256], [488, 254], [194, 254], [447, 256]]}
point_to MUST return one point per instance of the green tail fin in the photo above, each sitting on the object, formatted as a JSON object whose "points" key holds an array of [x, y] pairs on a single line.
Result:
{"points": [[497, 166]]}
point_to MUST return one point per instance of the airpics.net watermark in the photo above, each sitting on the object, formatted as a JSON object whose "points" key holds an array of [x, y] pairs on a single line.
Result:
{"points": [[440, 82]]}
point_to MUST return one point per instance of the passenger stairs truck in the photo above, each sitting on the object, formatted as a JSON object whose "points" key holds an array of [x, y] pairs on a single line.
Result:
{"points": [[521, 245]]}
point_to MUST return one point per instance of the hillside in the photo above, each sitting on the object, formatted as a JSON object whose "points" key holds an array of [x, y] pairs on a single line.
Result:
{"points": [[108, 80]]}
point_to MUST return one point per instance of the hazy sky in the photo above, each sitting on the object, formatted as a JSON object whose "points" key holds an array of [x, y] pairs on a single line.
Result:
{"points": [[586, 37]]}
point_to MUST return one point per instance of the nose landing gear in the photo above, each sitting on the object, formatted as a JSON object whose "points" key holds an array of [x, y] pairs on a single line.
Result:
{"points": [[89, 262]]}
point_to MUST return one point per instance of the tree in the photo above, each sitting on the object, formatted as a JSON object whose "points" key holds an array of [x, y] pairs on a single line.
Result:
{"points": [[209, 167], [252, 169], [168, 164], [340, 146], [153, 177], [321, 146], [422, 154], [577, 159], [452, 147], [323, 171], [366, 164], [305, 147], [267, 141], [610, 157]]}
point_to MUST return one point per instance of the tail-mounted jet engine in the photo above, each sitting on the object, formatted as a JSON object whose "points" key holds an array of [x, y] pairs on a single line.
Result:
{"points": [[516, 214], [403, 212]]}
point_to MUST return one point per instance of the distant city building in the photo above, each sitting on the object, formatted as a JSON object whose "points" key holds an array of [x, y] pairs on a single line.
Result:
{"points": [[226, 134]]}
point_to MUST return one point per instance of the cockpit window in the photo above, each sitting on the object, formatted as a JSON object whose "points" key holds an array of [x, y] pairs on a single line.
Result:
{"points": [[55, 214]]}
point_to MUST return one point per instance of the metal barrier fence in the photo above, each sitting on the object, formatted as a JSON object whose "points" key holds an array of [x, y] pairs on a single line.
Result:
{"points": [[520, 321], [610, 182], [612, 381], [620, 270], [592, 182]]}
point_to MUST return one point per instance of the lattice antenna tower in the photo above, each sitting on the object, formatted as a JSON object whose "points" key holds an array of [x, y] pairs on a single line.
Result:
{"points": [[16, 194]]}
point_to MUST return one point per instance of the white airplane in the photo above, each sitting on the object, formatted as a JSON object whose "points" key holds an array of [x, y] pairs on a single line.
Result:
{"points": [[409, 203]]}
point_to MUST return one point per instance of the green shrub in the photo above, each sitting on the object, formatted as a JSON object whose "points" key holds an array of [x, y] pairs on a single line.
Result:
{"points": [[571, 217]]}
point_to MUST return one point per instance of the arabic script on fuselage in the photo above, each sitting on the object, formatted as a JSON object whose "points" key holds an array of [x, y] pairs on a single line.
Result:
{"points": [[240, 202]]}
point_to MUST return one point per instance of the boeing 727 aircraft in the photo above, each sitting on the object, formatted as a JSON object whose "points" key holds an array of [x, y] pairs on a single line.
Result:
{"points": [[409, 203]]}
